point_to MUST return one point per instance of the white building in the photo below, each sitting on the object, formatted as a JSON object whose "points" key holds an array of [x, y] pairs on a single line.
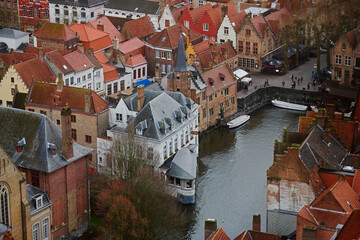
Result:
{"points": [[116, 82], [134, 9], [167, 19], [75, 11], [13, 38], [137, 65]]}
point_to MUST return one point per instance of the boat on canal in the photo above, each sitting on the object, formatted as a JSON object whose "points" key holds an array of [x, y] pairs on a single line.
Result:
{"points": [[287, 105], [238, 121], [347, 115]]}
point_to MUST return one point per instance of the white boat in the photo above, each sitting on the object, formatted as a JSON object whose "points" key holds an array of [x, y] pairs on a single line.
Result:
{"points": [[287, 105], [347, 115], [238, 121]]}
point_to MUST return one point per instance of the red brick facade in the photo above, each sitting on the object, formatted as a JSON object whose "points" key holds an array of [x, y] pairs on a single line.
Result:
{"points": [[33, 14]]}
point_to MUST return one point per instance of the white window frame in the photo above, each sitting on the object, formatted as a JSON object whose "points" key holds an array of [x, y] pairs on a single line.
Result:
{"points": [[118, 117], [338, 59], [45, 228], [4, 195], [226, 30], [169, 55], [205, 27], [347, 61], [186, 24], [163, 55], [35, 231], [163, 68], [38, 200], [157, 54], [169, 68]]}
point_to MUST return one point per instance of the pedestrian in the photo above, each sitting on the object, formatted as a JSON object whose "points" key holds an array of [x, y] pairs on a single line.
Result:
{"points": [[294, 84], [283, 83], [292, 77], [308, 86], [298, 80], [295, 79], [301, 79]]}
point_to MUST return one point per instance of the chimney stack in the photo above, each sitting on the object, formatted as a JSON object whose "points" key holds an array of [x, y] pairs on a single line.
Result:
{"points": [[321, 118], [87, 101], [327, 136], [140, 97], [210, 227], [40, 52], [224, 11], [158, 74], [60, 82], [309, 233], [256, 223], [330, 110], [80, 47], [67, 142], [100, 26], [90, 51], [115, 43]]}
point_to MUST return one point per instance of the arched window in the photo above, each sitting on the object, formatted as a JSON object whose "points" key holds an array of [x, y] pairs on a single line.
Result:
{"points": [[4, 205]]}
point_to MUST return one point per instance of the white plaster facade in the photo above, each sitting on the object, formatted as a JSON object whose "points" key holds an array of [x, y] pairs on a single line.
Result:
{"points": [[166, 19], [154, 18], [227, 32], [14, 43], [120, 84], [139, 72], [67, 14]]}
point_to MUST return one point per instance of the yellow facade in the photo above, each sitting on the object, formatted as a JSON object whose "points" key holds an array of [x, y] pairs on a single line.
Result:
{"points": [[8, 84]]}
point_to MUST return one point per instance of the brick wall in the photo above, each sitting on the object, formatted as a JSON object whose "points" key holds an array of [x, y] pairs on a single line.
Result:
{"points": [[348, 51]]}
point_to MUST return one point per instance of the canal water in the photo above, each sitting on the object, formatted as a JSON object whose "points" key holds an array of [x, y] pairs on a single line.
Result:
{"points": [[231, 184]]}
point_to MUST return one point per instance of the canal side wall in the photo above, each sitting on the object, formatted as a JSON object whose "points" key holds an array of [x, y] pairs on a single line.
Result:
{"points": [[263, 96]]}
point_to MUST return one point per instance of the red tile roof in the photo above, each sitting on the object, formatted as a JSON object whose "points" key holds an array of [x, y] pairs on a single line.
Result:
{"points": [[356, 182], [215, 14], [169, 37], [135, 60], [101, 57], [60, 62], [259, 24], [55, 31], [110, 73], [35, 50], [203, 46], [131, 45], [97, 40], [351, 228], [16, 57], [198, 12], [78, 61], [278, 19], [140, 27], [108, 28], [219, 234], [178, 12], [213, 75], [34, 68], [237, 20], [254, 235], [218, 55], [74, 97]]}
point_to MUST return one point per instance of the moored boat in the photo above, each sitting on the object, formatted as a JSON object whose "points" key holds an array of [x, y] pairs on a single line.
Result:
{"points": [[347, 115], [238, 121], [287, 105]]}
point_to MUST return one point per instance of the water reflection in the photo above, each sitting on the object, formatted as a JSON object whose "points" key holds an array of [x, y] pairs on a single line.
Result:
{"points": [[231, 186]]}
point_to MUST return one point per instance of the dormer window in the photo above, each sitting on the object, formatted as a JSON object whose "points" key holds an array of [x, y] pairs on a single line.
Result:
{"points": [[20, 145], [38, 201], [52, 148], [222, 76]]}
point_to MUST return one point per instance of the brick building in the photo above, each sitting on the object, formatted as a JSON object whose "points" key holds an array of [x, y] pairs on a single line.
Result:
{"points": [[56, 36], [89, 117], [9, 16], [161, 48], [141, 28], [345, 58], [33, 14], [53, 164]]}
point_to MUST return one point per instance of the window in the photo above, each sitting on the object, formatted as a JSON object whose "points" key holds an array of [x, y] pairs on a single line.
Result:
{"points": [[171, 147], [204, 112], [39, 202], [232, 100], [177, 182], [35, 179], [109, 89], [35, 232], [247, 48], [163, 68], [115, 87], [78, 80], [226, 30], [45, 229], [241, 46], [118, 117], [176, 143], [347, 75], [46, 13], [255, 48], [87, 138], [25, 11], [226, 91], [163, 54], [89, 75], [171, 180], [134, 74], [206, 27], [169, 55], [31, 12], [57, 11], [182, 138], [338, 59], [211, 111], [213, 38], [167, 23], [12, 91], [5, 211], [83, 14], [201, 3], [188, 183], [169, 68], [210, 98], [343, 47], [186, 24], [84, 78], [72, 80], [252, 63], [43, 112], [157, 53], [92, 14], [73, 118], [73, 134], [347, 61], [248, 62], [58, 121], [139, 72], [143, 72], [248, 32], [165, 151], [338, 74], [74, 13]]}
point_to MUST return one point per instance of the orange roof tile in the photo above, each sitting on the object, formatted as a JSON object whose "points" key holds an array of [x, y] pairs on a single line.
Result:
{"points": [[203, 46], [237, 20], [219, 234], [259, 24], [34, 68], [278, 19], [101, 57], [214, 75], [198, 12], [55, 31], [74, 97], [140, 27], [219, 54], [215, 14], [131, 45], [356, 182], [35, 50], [108, 28], [178, 12], [351, 228], [135, 60], [60, 62], [16, 57], [254, 235], [110, 72], [78, 61]]}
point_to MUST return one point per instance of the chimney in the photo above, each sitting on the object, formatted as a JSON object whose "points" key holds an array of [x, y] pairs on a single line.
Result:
{"points": [[210, 227], [40, 52], [140, 97], [115, 43], [87, 101], [327, 136], [67, 142], [330, 110], [224, 11], [80, 46], [212, 47], [60, 82], [158, 74], [100, 26], [355, 140], [256, 223], [309, 233], [321, 118], [90, 51], [193, 94]]}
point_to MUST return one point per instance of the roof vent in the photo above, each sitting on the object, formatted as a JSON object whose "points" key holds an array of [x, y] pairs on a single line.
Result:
{"points": [[64, 66], [52, 148], [20, 145], [348, 169], [84, 65]]}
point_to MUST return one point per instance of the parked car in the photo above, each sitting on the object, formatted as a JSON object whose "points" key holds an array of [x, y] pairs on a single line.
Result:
{"points": [[272, 66]]}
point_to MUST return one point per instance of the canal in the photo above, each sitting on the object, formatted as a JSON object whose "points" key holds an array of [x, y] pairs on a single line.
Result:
{"points": [[231, 184]]}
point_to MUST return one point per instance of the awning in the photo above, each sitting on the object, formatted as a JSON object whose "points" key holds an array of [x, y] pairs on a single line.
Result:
{"points": [[239, 73], [246, 80]]}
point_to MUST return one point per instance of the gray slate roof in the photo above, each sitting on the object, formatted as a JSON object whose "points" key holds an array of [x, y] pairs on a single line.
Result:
{"points": [[38, 131], [314, 151], [183, 165], [79, 3], [32, 192], [141, 6], [181, 59], [12, 33]]}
